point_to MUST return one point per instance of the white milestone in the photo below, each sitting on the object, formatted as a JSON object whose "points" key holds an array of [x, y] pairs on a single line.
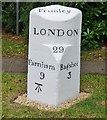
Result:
{"points": [[54, 54]]}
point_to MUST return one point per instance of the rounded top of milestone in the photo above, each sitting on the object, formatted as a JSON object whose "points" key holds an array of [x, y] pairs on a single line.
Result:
{"points": [[56, 12]]}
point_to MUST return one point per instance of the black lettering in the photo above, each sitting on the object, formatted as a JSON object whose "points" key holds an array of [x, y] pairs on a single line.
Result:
{"points": [[61, 49], [60, 32], [55, 32], [43, 31], [55, 49], [67, 66], [61, 67], [64, 67], [69, 32], [75, 32], [51, 31], [40, 10], [35, 32], [37, 64], [42, 75], [52, 68], [69, 75], [46, 66], [38, 87]]}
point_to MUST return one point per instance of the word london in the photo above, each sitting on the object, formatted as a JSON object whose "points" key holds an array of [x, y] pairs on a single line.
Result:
{"points": [[55, 32]]}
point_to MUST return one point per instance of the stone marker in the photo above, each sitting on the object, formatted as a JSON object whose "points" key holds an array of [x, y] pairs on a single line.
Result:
{"points": [[54, 54]]}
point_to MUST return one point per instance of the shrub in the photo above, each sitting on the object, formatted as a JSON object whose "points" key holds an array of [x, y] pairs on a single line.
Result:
{"points": [[8, 17], [94, 24]]}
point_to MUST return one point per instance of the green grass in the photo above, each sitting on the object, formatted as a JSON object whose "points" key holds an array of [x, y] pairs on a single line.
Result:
{"points": [[16, 46], [97, 54], [15, 84], [0, 97]]}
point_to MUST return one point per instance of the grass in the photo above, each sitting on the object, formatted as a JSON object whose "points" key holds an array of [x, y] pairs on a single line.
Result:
{"points": [[16, 46], [0, 98], [97, 54], [15, 84]]}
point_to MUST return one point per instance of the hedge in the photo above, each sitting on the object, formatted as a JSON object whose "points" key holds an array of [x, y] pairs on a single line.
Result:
{"points": [[94, 25]]}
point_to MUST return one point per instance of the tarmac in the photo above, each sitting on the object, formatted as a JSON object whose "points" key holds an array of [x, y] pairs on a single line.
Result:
{"points": [[19, 65]]}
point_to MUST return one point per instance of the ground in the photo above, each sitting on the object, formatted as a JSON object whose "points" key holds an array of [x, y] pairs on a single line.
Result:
{"points": [[14, 46], [17, 46], [15, 84], [92, 107]]}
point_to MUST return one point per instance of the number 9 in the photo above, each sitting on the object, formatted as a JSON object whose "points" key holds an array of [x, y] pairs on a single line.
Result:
{"points": [[42, 75], [61, 49]]}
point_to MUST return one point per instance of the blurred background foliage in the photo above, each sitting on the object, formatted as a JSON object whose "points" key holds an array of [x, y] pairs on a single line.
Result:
{"points": [[94, 24]]}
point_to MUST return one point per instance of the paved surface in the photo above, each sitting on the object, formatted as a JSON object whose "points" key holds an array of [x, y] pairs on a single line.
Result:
{"points": [[13, 65]]}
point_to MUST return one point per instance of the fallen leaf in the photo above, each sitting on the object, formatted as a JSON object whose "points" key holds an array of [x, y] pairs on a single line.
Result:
{"points": [[103, 103]]}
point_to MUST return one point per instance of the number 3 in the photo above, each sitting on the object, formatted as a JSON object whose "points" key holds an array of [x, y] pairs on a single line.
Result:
{"points": [[69, 75]]}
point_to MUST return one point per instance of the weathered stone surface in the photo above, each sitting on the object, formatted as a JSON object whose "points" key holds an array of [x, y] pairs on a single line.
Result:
{"points": [[54, 54], [18, 65]]}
